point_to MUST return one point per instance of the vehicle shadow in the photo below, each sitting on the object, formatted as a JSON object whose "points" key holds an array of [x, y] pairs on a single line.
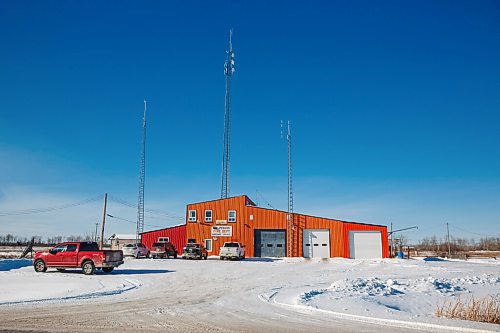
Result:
{"points": [[262, 259], [116, 271], [138, 271]]}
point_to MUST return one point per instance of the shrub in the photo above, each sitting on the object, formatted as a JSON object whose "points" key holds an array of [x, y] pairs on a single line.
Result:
{"points": [[484, 309]]}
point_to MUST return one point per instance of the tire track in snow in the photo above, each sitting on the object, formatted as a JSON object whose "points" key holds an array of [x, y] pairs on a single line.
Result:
{"points": [[130, 285]]}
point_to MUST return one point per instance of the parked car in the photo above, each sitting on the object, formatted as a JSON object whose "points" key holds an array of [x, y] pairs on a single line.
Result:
{"points": [[84, 255], [232, 250], [194, 251], [135, 250], [163, 250]]}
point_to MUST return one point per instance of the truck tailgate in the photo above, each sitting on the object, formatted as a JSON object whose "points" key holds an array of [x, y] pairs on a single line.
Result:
{"points": [[113, 255]]}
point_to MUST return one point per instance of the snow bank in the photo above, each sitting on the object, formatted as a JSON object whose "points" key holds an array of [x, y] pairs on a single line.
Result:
{"points": [[10, 264]]}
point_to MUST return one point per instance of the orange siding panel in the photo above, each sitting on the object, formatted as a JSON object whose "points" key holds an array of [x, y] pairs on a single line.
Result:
{"points": [[177, 236]]}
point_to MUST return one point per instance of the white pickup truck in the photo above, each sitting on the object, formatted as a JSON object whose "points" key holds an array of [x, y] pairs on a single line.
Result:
{"points": [[232, 250]]}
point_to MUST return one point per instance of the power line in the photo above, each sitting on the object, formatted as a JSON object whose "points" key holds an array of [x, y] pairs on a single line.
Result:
{"points": [[151, 211], [134, 222], [262, 197], [49, 209], [470, 232]]}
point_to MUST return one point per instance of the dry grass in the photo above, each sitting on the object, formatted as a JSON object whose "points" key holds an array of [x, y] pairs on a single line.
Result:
{"points": [[484, 309]]}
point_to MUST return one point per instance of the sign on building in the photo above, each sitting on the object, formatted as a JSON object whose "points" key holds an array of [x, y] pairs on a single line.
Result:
{"points": [[222, 231], [221, 222]]}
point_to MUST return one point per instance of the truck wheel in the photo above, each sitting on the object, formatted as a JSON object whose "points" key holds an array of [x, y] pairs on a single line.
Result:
{"points": [[107, 269], [40, 266], [88, 267], [61, 269]]}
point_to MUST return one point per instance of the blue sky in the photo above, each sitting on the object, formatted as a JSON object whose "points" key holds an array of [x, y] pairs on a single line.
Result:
{"points": [[394, 109]]}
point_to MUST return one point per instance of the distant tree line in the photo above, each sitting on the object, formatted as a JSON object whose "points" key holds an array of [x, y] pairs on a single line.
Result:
{"points": [[458, 244], [10, 239]]}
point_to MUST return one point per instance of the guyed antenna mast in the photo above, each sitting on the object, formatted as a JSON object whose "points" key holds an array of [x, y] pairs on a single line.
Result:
{"points": [[140, 201], [289, 216], [228, 72]]}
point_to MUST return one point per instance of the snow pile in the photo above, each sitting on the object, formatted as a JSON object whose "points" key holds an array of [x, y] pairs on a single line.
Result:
{"points": [[371, 286], [430, 283]]}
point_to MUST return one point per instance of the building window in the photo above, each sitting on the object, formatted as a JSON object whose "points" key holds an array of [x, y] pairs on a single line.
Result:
{"points": [[192, 216], [208, 244], [231, 216], [163, 239], [208, 216]]}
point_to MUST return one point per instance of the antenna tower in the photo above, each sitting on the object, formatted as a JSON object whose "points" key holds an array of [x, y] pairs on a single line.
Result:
{"points": [[289, 217], [142, 176], [228, 72]]}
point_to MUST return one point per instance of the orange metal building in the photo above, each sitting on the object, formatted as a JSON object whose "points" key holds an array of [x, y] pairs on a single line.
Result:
{"points": [[176, 235], [264, 231]]}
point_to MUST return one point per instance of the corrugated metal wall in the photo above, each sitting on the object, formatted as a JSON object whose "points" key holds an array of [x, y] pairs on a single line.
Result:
{"points": [[250, 217], [176, 234]]}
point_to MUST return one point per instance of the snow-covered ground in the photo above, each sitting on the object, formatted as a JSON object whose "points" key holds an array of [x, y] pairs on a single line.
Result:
{"points": [[288, 294]]}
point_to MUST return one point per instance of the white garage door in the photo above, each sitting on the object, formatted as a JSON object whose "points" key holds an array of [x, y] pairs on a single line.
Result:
{"points": [[316, 243], [365, 244]]}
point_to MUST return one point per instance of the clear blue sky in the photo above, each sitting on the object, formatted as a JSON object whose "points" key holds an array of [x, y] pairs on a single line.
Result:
{"points": [[394, 109]]}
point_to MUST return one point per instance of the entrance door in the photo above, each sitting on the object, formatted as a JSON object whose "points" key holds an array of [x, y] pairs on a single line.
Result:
{"points": [[316, 243], [269, 243], [365, 244]]}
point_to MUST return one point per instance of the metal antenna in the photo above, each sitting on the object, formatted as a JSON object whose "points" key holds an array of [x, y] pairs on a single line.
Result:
{"points": [[228, 72], [289, 217], [140, 204]]}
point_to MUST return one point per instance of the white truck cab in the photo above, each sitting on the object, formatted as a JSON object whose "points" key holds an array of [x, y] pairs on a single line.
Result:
{"points": [[232, 250]]}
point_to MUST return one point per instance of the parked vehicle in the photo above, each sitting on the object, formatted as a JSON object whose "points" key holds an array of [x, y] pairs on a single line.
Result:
{"points": [[135, 250], [163, 250], [232, 250], [194, 251], [85, 255]]}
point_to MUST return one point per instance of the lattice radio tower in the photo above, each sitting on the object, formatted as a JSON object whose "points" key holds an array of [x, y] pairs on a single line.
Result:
{"points": [[289, 215], [228, 72], [142, 176]]}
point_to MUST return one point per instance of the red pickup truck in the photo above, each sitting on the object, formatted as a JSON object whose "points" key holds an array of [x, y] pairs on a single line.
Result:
{"points": [[78, 254]]}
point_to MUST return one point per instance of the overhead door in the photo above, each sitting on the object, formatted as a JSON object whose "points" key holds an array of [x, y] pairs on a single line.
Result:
{"points": [[316, 243], [269, 243], [365, 244]]}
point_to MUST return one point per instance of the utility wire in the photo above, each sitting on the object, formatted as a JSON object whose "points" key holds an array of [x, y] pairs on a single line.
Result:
{"points": [[267, 202], [151, 211], [125, 220], [49, 209], [470, 232]]}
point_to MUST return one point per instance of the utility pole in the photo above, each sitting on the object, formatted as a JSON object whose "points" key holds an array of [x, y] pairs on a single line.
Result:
{"points": [[448, 232], [228, 72], [103, 220], [289, 216], [392, 242], [95, 235], [142, 177]]}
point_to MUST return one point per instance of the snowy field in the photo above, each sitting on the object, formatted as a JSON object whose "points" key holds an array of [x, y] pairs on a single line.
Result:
{"points": [[289, 295]]}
